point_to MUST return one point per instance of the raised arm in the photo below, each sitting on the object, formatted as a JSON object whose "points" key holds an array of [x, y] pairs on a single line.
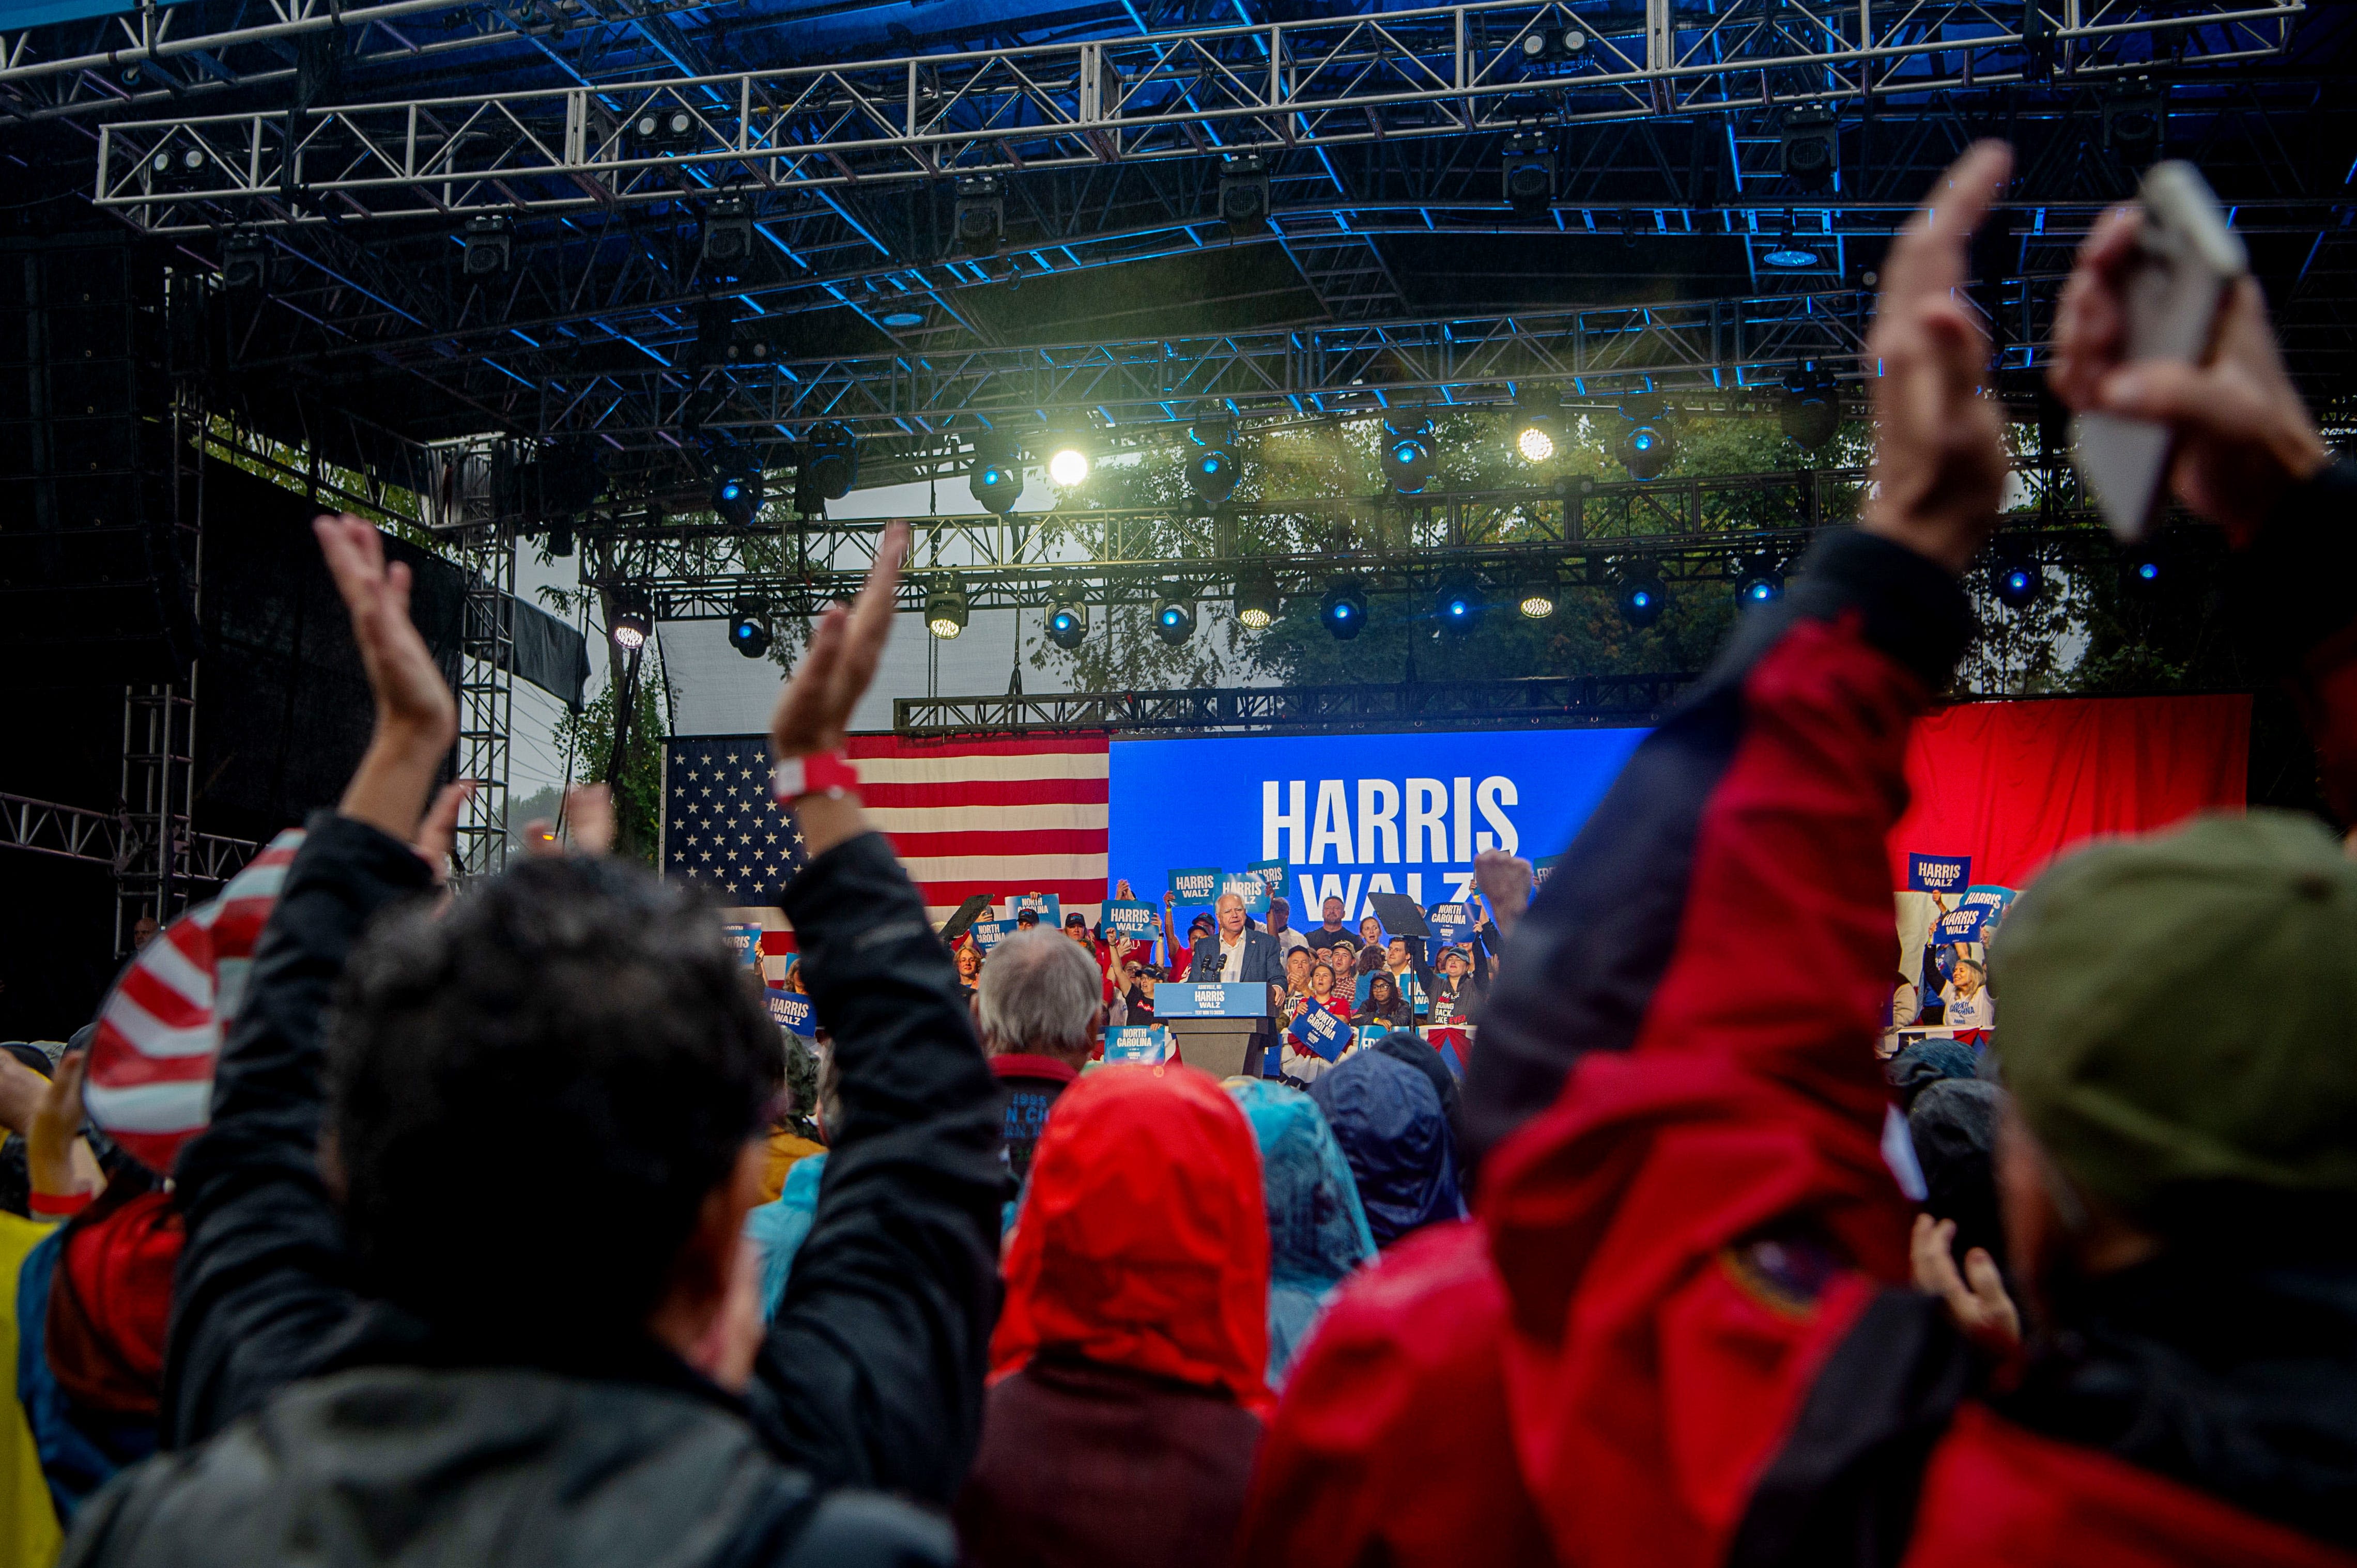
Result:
{"points": [[263, 1294], [1746, 837], [2249, 458], [875, 1359]]}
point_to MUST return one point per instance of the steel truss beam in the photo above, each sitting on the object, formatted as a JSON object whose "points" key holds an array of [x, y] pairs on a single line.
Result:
{"points": [[74, 833], [1440, 71], [1552, 700], [1581, 535]]}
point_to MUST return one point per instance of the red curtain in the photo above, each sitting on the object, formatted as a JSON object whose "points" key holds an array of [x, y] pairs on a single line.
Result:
{"points": [[2012, 783]]}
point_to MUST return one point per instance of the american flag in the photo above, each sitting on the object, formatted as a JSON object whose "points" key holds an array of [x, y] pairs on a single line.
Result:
{"points": [[994, 816]]}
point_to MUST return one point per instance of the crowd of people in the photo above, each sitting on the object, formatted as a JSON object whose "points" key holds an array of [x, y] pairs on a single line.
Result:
{"points": [[369, 1224]]}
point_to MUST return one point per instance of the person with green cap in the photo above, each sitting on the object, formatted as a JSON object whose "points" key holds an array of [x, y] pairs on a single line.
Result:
{"points": [[1682, 1331]]}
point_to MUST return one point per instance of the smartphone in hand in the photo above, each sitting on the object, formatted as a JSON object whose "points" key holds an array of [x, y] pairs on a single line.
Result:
{"points": [[2186, 258]]}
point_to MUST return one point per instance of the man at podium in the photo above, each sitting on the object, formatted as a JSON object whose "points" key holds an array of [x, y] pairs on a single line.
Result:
{"points": [[1241, 952]]}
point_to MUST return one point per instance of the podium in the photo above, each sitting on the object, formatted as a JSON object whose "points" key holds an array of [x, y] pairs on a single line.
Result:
{"points": [[1222, 1026]]}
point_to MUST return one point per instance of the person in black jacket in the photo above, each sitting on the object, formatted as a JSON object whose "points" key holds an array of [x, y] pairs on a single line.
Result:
{"points": [[465, 1277]]}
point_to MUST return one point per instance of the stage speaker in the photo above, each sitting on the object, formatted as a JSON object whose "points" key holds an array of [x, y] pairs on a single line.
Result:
{"points": [[94, 580]]}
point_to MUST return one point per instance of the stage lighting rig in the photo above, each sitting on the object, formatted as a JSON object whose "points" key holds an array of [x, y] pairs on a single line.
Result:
{"points": [[176, 168], [1244, 193], [737, 490], [2135, 120], [1538, 428], [1646, 448], [2145, 571], [1407, 449], [728, 232], [1343, 609], [663, 132], [946, 609], [979, 217], [1257, 605], [1456, 605], [1174, 613], [245, 260], [2015, 577], [489, 243], [633, 620], [830, 461], [748, 628], [1535, 598], [1758, 581], [1068, 462], [1810, 412], [997, 477], [1210, 459], [1529, 173], [1811, 138], [1067, 621], [1642, 598], [1552, 45]]}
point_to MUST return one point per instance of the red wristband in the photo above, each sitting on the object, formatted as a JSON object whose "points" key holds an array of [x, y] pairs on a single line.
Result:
{"points": [[58, 1205], [796, 777]]}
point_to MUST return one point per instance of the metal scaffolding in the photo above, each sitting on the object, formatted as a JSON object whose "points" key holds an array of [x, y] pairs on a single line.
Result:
{"points": [[1391, 76]]}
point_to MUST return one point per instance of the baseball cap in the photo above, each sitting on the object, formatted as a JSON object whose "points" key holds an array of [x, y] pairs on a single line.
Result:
{"points": [[2173, 1020], [1076, 918]]}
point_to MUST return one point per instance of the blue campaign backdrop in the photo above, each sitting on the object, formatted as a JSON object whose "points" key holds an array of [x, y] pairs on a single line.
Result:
{"points": [[1353, 814]]}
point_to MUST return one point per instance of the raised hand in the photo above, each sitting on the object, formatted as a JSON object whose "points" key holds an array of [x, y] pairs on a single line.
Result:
{"points": [[1506, 880], [1939, 443], [814, 709], [416, 718], [439, 830], [2242, 435]]}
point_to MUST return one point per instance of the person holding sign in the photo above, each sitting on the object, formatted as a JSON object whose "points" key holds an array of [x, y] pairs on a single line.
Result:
{"points": [[1971, 1010], [1303, 1061], [1040, 1013]]}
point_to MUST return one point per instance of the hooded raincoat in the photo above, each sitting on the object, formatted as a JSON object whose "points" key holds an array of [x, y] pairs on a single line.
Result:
{"points": [[1317, 1229], [1393, 1131], [1127, 1372]]}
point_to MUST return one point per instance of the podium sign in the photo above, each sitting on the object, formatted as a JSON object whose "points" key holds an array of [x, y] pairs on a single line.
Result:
{"points": [[1210, 999]]}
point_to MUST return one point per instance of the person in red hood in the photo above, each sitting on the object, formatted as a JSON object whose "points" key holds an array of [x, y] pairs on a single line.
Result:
{"points": [[1128, 1371], [1681, 1332]]}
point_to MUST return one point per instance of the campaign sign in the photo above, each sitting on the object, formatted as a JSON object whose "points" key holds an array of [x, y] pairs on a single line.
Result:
{"points": [[791, 1011], [1050, 913], [1962, 925], [1938, 873], [1210, 999], [1541, 869], [747, 940], [1992, 901], [1452, 923], [1147, 1046], [1359, 994], [1196, 886], [1318, 1030], [1272, 874], [1368, 1033], [1351, 815], [1443, 1008], [1139, 921], [988, 934], [1248, 887]]}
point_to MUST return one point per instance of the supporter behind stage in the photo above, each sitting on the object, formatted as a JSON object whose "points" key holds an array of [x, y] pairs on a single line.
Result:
{"points": [[1288, 940], [1681, 1335], [512, 1303], [1128, 1387], [1242, 952], [1040, 1016], [1332, 930]]}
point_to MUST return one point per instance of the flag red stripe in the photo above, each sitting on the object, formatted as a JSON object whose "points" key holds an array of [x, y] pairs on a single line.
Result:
{"points": [[989, 792], [1027, 841], [859, 745]]}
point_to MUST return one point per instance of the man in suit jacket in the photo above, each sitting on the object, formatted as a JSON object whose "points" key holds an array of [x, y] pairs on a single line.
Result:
{"points": [[1260, 961]]}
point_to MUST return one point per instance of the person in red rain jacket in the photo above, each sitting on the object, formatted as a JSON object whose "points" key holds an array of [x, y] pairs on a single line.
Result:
{"points": [[1128, 1371], [1679, 1332]]}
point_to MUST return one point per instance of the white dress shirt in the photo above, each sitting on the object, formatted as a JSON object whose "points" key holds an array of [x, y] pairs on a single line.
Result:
{"points": [[1232, 958]]}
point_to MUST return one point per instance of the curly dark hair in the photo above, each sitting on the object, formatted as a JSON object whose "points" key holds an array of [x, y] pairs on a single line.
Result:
{"points": [[534, 1091]]}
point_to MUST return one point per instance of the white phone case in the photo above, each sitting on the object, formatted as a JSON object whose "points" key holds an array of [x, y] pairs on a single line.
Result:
{"points": [[2188, 256]]}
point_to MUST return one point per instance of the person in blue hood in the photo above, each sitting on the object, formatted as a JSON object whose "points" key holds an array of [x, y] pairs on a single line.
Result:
{"points": [[1389, 1121], [1317, 1229]]}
